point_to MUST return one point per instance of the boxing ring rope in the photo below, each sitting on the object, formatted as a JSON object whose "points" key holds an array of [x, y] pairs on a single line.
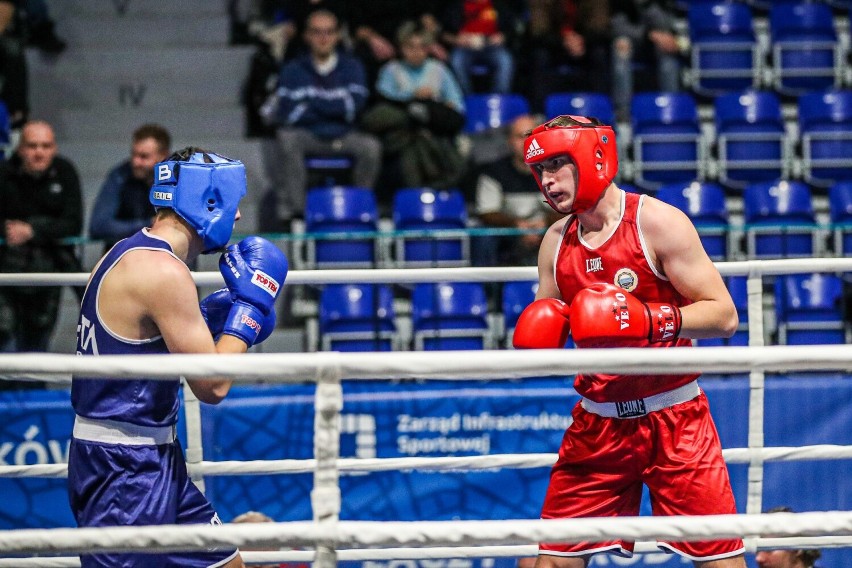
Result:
{"points": [[328, 369]]}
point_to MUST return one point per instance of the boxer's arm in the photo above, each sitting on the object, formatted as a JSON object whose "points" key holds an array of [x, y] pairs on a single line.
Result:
{"points": [[170, 297], [678, 254]]}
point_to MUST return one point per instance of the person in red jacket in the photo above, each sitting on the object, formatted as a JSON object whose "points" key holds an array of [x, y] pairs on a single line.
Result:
{"points": [[625, 270]]}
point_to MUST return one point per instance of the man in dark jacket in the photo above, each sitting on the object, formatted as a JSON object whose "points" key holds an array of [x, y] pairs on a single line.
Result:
{"points": [[40, 204], [122, 206], [320, 97]]}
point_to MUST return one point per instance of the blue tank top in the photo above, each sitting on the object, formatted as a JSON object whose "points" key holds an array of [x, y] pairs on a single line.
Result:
{"points": [[142, 402]]}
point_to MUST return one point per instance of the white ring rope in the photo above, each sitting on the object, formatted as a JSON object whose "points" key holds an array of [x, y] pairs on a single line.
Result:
{"points": [[167, 538], [465, 274], [440, 552], [467, 463], [453, 365]]}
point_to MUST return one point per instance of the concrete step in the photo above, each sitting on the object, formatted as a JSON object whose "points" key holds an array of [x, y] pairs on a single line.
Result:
{"points": [[185, 29], [131, 8], [118, 124], [143, 78]]}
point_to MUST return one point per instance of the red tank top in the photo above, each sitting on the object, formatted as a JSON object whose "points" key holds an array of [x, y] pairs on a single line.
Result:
{"points": [[624, 261]]}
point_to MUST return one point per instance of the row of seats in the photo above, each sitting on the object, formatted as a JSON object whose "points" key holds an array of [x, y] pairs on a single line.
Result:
{"points": [[803, 48], [343, 224], [809, 309], [749, 135], [444, 316], [779, 218], [352, 211]]}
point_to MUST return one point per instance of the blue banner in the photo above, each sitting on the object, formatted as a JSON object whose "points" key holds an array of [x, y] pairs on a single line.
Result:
{"points": [[404, 419]]}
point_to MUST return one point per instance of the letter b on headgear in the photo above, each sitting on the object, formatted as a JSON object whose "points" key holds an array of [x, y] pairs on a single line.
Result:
{"points": [[204, 189]]}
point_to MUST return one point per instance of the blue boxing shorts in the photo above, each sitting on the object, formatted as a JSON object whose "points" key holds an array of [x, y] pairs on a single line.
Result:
{"points": [[117, 484]]}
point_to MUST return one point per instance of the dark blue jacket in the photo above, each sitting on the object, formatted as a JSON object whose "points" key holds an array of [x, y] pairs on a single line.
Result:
{"points": [[122, 207], [327, 105]]}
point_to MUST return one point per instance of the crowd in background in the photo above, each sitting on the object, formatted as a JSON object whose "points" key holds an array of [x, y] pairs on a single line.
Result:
{"points": [[384, 82]]}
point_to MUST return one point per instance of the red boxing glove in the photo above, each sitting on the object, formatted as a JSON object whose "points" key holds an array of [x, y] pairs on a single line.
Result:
{"points": [[603, 314], [542, 325]]}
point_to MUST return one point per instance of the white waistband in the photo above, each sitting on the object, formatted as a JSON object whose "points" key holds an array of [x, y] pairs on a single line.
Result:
{"points": [[641, 407], [115, 432]]}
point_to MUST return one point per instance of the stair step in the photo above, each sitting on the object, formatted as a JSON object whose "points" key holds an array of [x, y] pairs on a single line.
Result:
{"points": [[119, 124], [60, 9], [126, 79], [145, 30]]}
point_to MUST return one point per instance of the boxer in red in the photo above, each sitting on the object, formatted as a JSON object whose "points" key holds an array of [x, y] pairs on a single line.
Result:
{"points": [[625, 270]]}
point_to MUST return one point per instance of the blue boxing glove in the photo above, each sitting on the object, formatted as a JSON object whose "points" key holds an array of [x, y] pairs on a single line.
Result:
{"points": [[254, 270], [216, 309]]}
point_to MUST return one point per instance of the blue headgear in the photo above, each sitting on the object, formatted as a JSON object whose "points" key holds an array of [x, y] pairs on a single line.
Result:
{"points": [[206, 195]]}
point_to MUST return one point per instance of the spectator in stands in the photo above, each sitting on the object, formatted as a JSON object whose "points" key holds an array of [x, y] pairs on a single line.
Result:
{"points": [[122, 206], [786, 558], [480, 32], [566, 48], [505, 199], [320, 97], [40, 204], [420, 111], [374, 25], [641, 27]]}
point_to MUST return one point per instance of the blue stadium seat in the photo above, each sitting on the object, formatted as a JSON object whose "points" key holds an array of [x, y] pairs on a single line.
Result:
{"points": [[751, 139], [341, 210], [667, 143], [779, 220], [840, 209], [704, 203], [825, 126], [485, 112], [806, 55], [356, 317], [809, 309], [449, 316], [516, 297], [426, 209], [597, 105], [725, 54]]}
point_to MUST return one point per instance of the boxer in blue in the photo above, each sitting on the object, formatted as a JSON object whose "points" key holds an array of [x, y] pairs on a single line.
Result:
{"points": [[125, 466]]}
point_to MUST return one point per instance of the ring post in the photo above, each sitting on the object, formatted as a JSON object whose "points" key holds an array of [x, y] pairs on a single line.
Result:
{"points": [[194, 445], [325, 496], [756, 379]]}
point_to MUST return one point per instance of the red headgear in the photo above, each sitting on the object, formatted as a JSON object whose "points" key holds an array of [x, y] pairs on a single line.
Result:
{"points": [[590, 145]]}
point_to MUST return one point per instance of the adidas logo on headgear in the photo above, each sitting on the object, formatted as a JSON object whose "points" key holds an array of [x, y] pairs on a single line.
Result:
{"points": [[534, 149]]}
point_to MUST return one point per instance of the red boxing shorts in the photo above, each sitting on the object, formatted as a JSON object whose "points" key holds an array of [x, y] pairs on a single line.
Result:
{"points": [[603, 463]]}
